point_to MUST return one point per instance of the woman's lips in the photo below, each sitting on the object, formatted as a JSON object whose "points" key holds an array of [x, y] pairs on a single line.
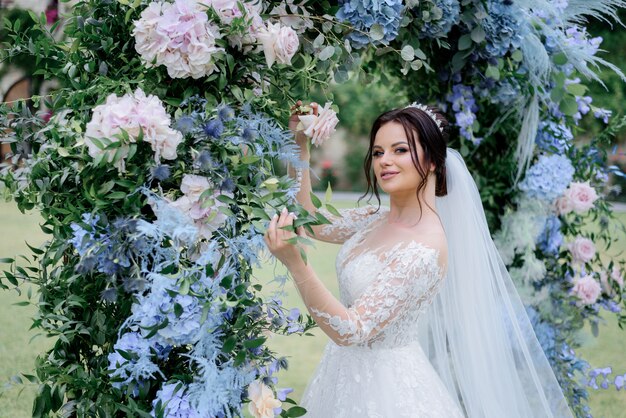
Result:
{"points": [[388, 176]]}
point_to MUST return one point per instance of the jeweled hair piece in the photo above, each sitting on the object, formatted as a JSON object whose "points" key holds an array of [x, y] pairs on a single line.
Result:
{"points": [[429, 112]]}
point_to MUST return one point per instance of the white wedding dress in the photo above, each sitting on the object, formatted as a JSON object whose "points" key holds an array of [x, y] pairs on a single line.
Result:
{"points": [[379, 370]]}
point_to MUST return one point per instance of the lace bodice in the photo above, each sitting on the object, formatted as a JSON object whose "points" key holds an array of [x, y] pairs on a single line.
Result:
{"points": [[383, 287]]}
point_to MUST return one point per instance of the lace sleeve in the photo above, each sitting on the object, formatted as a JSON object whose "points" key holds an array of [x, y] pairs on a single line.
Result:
{"points": [[342, 228], [406, 284]]}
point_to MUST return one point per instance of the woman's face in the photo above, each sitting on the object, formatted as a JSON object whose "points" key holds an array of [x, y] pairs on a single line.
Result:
{"points": [[392, 162]]}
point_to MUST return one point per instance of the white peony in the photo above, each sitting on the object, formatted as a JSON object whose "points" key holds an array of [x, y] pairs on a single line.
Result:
{"points": [[179, 36]]}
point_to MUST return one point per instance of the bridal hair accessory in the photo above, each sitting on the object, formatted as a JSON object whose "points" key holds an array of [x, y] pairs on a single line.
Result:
{"points": [[429, 112]]}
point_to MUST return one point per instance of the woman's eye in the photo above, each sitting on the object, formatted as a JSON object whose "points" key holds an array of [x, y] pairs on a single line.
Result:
{"points": [[401, 150], [377, 153]]}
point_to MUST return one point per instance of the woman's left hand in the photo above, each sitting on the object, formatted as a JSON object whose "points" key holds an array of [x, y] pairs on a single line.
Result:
{"points": [[276, 237]]}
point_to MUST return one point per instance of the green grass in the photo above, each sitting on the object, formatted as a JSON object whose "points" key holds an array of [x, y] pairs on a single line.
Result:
{"points": [[17, 354]]}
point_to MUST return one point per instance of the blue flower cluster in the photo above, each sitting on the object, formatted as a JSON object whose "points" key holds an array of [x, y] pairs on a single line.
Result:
{"points": [[363, 14], [548, 178], [132, 361], [465, 108], [551, 238], [504, 27], [449, 12], [172, 401], [554, 137]]}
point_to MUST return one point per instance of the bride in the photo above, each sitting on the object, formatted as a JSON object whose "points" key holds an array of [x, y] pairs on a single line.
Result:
{"points": [[429, 323]]}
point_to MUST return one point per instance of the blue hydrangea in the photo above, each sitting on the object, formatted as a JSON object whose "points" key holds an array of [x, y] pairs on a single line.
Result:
{"points": [[465, 108], [363, 14], [138, 368], [504, 27], [548, 178], [551, 238], [173, 401], [182, 312], [449, 10], [554, 137]]}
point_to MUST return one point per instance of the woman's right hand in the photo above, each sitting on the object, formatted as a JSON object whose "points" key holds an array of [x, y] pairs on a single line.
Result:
{"points": [[294, 120]]}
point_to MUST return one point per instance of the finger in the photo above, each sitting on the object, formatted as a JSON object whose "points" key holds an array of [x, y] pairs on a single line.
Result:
{"points": [[315, 108], [272, 234], [301, 231], [282, 221]]}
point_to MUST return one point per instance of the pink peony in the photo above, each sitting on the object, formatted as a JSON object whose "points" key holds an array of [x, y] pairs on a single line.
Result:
{"points": [[320, 128], [134, 113], [193, 186], [581, 196], [280, 43], [179, 36], [583, 249], [262, 400], [587, 289]]}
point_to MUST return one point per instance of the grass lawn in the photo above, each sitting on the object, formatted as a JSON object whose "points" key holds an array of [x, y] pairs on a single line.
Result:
{"points": [[17, 354]]}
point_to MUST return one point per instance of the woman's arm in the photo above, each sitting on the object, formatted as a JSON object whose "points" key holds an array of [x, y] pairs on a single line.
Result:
{"points": [[341, 228], [393, 292]]}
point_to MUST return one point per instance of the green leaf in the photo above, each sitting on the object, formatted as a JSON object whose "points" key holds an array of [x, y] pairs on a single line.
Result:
{"points": [[333, 210], [329, 193], [517, 56], [316, 201], [465, 42], [7, 260], [478, 34], [407, 53], [296, 411], [576, 89], [569, 106], [377, 32], [560, 58], [327, 53], [493, 72], [257, 342], [229, 344]]}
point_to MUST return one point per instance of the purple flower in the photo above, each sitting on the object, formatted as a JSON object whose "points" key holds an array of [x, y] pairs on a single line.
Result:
{"points": [[161, 172], [603, 114]]}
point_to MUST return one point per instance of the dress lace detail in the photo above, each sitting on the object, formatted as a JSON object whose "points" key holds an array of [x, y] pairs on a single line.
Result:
{"points": [[378, 369], [351, 221]]}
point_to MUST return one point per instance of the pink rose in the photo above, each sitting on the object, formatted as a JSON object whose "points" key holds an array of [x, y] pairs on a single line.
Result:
{"points": [[320, 128], [606, 286], [587, 289], [583, 250], [581, 196], [262, 400], [279, 43], [564, 205]]}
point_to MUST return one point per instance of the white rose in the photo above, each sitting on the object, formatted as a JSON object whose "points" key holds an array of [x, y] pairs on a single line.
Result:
{"points": [[262, 400], [287, 44], [618, 276], [583, 249], [267, 36], [564, 205]]}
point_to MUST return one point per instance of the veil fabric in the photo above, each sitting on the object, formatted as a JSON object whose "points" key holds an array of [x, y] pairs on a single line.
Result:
{"points": [[476, 332]]}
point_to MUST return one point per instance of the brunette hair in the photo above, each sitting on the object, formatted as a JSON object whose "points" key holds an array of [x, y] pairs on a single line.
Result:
{"points": [[432, 139]]}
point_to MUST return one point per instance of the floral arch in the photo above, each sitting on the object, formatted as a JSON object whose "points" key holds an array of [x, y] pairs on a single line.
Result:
{"points": [[162, 136]]}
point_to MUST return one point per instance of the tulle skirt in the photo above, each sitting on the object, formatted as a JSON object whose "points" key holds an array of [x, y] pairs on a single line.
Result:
{"points": [[358, 382]]}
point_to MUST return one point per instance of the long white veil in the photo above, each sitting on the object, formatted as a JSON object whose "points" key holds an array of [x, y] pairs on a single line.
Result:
{"points": [[477, 333]]}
